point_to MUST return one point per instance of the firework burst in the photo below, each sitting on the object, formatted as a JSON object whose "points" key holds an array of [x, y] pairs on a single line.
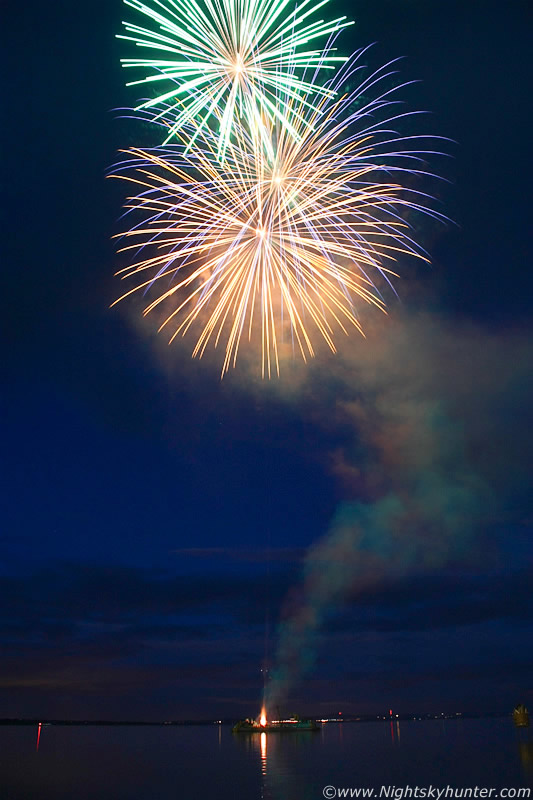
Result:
{"points": [[281, 241], [235, 55]]}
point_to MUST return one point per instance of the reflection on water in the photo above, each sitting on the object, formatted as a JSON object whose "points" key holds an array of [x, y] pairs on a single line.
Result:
{"points": [[395, 732], [525, 748], [263, 754], [278, 753], [205, 762], [297, 765]]}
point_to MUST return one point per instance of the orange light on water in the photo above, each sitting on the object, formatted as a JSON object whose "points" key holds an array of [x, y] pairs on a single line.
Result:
{"points": [[263, 743], [263, 720]]}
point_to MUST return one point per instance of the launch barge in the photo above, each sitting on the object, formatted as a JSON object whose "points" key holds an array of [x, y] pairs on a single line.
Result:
{"points": [[275, 726]]}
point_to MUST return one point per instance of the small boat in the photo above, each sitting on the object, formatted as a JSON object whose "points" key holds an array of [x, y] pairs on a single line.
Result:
{"points": [[521, 716], [275, 726]]}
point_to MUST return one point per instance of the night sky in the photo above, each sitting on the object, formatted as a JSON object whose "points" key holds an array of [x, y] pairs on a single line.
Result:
{"points": [[156, 522]]}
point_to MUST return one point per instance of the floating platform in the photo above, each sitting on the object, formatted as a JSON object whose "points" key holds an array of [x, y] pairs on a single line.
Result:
{"points": [[277, 726]]}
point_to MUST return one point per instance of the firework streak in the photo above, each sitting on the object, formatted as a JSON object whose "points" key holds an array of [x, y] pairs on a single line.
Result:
{"points": [[274, 219], [235, 55]]}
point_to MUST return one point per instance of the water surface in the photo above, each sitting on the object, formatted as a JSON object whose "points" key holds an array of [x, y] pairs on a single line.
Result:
{"points": [[204, 762]]}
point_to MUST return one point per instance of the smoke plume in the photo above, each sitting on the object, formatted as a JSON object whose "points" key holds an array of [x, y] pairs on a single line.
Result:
{"points": [[436, 426]]}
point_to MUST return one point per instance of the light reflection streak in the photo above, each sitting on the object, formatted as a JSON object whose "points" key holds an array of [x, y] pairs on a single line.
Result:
{"points": [[263, 744]]}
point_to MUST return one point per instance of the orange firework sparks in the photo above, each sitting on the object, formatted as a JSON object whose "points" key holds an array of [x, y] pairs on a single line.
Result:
{"points": [[283, 240]]}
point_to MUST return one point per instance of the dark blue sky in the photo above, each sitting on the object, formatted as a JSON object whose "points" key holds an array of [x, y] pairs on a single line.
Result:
{"points": [[142, 496]]}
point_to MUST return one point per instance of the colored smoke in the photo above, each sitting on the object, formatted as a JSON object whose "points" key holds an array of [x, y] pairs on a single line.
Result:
{"points": [[424, 473]]}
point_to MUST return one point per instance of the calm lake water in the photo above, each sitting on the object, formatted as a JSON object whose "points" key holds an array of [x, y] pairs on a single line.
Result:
{"points": [[155, 763]]}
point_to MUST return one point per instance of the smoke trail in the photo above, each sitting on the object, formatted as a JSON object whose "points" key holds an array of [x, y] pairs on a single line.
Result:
{"points": [[420, 407]]}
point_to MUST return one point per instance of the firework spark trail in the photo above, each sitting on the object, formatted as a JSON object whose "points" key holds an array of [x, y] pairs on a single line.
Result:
{"points": [[294, 232], [234, 55]]}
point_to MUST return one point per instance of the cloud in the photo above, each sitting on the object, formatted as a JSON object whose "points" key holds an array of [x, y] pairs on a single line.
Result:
{"points": [[90, 593], [259, 555], [75, 634], [96, 632], [435, 602]]}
